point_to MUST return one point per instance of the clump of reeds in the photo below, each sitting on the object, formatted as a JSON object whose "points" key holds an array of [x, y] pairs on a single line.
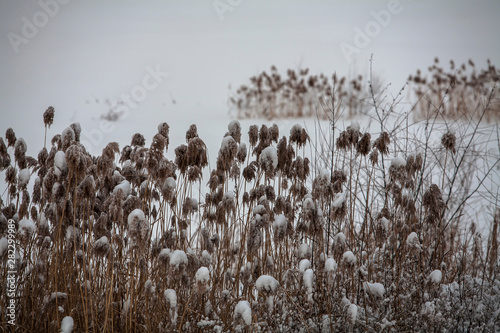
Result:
{"points": [[456, 93], [298, 94], [373, 236]]}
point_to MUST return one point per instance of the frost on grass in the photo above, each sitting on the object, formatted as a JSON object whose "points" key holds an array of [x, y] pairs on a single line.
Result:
{"points": [[67, 325], [267, 284], [243, 311], [436, 276], [349, 258]]}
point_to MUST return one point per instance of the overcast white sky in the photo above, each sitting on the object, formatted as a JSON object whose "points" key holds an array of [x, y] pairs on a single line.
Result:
{"points": [[93, 50]]}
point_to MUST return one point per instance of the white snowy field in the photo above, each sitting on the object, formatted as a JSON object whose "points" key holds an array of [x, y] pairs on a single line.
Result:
{"points": [[176, 61]]}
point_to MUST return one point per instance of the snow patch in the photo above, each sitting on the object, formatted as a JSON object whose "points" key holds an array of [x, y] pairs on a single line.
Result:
{"points": [[60, 163], [227, 143], [279, 222], [436, 276], [349, 257], [164, 254], [101, 242], [202, 275], [136, 214], [243, 311], [384, 223], [304, 251], [23, 178], [338, 201], [26, 227], [67, 324], [308, 203], [339, 239], [330, 265], [412, 240], [304, 265], [376, 289], [266, 283], [308, 278], [169, 183], [124, 186], [325, 175], [352, 313], [171, 297], [259, 209], [178, 257], [398, 161], [269, 156], [355, 125]]}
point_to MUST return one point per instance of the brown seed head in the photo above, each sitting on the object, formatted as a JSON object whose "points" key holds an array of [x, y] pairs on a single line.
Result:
{"points": [[48, 116], [138, 140], [364, 145], [253, 135], [163, 129], [191, 133], [234, 129], [449, 140], [382, 143], [274, 132]]}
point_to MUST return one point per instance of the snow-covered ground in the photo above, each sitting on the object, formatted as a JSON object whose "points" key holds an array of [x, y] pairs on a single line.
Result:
{"points": [[175, 61], [90, 51]]}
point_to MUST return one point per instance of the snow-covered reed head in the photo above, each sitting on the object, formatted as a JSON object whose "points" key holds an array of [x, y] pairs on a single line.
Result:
{"points": [[138, 227]]}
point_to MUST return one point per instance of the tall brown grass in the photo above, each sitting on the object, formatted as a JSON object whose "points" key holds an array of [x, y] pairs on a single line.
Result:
{"points": [[465, 89], [298, 94], [369, 234]]}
